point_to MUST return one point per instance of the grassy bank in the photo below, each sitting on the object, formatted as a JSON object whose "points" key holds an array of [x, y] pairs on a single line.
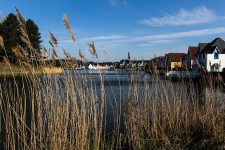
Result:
{"points": [[17, 70]]}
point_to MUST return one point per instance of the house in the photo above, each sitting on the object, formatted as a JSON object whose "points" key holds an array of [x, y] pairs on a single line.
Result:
{"points": [[158, 62], [124, 63], [102, 67], [141, 65], [173, 61], [91, 67], [200, 55], [212, 55], [189, 61]]}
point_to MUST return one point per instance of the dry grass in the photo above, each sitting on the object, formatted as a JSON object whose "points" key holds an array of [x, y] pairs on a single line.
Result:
{"points": [[82, 56], [52, 70], [176, 116], [53, 39], [17, 70], [1, 42], [69, 111], [92, 49], [67, 25], [46, 113], [22, 22]]}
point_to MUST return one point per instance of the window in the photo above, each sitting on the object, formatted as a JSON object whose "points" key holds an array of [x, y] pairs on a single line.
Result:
{"points": [[216, 55]]}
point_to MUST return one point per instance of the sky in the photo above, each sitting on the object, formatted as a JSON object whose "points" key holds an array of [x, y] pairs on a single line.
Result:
{"points": [[145, 28]]}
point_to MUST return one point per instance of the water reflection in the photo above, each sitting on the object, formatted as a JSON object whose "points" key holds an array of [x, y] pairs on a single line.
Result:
{"points": [[117, 87]]}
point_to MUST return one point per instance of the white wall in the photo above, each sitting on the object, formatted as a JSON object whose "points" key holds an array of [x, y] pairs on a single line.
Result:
{"points": [[221, 61]]}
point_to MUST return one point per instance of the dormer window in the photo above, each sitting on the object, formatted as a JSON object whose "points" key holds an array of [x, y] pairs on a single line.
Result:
{"points": [[216, 55]]}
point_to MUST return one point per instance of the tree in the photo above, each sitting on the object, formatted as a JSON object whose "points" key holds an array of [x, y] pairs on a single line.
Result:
{"points": [[34, 35], [10, 32]]}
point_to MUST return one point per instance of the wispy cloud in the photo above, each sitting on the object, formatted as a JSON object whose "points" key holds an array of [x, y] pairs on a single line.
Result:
{"points": [[154, 42], [186, 34], [153, 39], [183, 17], [117, 2], [106, 38], [101, 38]]}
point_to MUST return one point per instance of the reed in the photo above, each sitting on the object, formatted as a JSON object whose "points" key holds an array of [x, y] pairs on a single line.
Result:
{"points": [[69, 111], [2, 42], [53, 40], [92, 49], [67, 25], [173, 116], [81, 54]]}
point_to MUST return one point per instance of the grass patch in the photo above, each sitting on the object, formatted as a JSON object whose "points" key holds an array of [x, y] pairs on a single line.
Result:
{"points": [[18, 70]]}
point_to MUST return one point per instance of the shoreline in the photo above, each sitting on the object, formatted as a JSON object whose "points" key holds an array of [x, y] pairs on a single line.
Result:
{"points": [[17, 70]]}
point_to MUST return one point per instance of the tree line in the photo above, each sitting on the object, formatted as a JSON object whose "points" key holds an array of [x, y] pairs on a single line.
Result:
{"points": [[11, 34]]}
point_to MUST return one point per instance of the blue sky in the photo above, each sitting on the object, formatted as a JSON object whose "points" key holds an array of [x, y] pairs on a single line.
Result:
{"points": [[144, 28]]}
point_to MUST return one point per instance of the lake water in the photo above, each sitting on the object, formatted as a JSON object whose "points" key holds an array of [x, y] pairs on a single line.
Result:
{"points": [[117, 86], [119, 75]]}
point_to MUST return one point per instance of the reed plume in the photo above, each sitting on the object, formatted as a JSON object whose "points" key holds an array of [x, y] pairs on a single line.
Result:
{"points": [[19, 53], [67, 25], [67, 55], [54, 55], [53, 40], [24, 37], [51, 44], [92, 49], [42, 54], [81, 54]]}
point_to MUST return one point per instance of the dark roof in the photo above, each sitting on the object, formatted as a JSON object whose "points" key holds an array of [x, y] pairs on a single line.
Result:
{"points": [[217, 42], [192, 51], [175, 57], [159, 58], [202, 46]]}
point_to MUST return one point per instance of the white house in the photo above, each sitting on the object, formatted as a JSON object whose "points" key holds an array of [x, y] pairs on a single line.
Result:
{"points": [[91, 67], [212, 55], [102, 67], [141, 65]]}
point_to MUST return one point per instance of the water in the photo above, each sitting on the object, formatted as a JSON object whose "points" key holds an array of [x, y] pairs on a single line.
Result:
{"points": [[117, 85], [119, 75]]}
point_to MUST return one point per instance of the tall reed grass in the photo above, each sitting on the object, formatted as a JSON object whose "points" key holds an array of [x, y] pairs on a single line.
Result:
{"points": [[69, 111], [176, 116]]}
